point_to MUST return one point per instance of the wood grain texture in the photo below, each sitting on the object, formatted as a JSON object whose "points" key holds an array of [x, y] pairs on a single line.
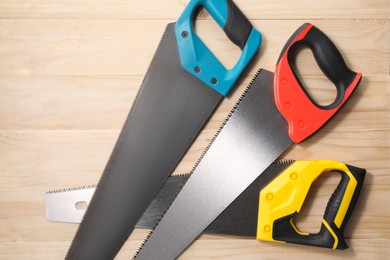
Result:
{"points": [[153, 9], [109, 47], [70, 70]]}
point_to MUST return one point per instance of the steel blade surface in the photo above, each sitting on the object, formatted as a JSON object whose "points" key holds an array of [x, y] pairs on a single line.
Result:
{"points": [[160, 203], [169, 111], [240, 217], [254, 136]]}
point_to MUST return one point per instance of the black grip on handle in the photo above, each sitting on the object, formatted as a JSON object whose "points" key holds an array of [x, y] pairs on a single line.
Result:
{"points": [[359, 174], [237, 28], [328, 59], [334, 203], [331, 210], [335, 200]]}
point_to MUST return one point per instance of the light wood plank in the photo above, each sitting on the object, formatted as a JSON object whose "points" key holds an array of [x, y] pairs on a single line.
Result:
{"points": [[238, 249], [109, 47], [153, 9], [76, 159], [227, 249], [66, 102], [103, 102], [368, 106], [68, 152]]}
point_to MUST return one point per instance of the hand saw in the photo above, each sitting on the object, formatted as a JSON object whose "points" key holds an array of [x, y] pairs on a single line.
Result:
{"points": [[273, 113], [263, 210], [184, 84]]}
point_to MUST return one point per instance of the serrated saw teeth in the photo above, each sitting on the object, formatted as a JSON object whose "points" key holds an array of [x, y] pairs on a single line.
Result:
{"points": [[71, 189], [286, 161]]}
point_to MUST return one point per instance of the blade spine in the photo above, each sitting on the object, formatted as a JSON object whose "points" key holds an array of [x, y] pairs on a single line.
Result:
{"points": [[200, 159]]}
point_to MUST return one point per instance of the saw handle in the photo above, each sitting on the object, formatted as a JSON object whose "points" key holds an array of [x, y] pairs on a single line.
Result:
{"points": [[303, 114], [198, 60], [283, 198]]}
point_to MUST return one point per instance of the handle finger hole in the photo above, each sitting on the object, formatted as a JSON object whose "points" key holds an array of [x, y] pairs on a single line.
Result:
{"points": [[212, 35], [319, 89], [310, 217]]}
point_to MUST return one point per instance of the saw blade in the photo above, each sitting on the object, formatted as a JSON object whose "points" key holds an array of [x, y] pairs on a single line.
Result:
{"points": [[183, 86], [252, 211], [239, 153], [169, 111]]}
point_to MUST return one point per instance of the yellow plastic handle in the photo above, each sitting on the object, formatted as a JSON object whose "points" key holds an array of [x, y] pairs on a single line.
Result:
{"points": [[283, 198]]}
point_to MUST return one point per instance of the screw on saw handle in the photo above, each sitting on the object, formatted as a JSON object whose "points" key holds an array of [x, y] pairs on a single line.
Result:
{"points": [[283, 198], [304, 116], [198, 60]]}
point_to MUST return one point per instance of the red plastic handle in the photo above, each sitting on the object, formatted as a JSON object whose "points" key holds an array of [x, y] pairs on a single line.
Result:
{"points": [[304, 116]]}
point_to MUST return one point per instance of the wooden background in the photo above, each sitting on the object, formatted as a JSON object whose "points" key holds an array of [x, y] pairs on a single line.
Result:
{"points": [[69, 71]]}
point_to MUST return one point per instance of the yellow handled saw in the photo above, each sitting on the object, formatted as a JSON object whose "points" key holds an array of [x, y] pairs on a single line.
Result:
{"points": [[265, 210]]}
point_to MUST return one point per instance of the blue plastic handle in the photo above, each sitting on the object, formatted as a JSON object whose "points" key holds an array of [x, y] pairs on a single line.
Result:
{"points": [[198, 60]]}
